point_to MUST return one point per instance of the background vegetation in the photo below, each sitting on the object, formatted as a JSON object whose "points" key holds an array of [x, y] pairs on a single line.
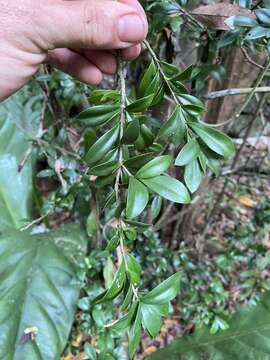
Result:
{"points": [[129, 201]]}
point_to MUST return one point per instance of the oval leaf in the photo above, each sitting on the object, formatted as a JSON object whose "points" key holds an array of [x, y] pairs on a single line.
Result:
{"points": [[169, 188], [102, 146], [137, 198], [164, 292], [214, 139], [189, 152], [155, 167]]}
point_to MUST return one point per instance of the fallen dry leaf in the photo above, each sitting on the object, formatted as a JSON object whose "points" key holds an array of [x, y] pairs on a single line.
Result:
{"points": [[213, 16], [150, 349], [247, 201]]}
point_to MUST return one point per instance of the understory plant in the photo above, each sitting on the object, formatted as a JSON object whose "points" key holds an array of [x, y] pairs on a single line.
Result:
{"points": [[104, 162]]}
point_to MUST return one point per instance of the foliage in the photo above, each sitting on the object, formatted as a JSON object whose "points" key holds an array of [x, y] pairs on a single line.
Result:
{"points": [[246, 339], [109, 164], [39, 284]]}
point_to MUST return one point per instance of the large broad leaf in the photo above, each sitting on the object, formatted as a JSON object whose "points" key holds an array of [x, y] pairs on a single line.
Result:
{"points": [[15, 193], [15, 187], [247, 339], [38, 273], [38, 288]]}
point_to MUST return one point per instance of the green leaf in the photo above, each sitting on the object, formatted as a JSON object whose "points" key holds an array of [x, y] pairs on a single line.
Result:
{"points": [[15, 187], [116, 287], [184, 75], [244, 21], [113, 243], [39, 288], [137, 198], [127, 296], [193, 175], [246, 339], [147, 78], [263, 15], [138, 161], [108, 271], [188, 153], [132, 132], [164, 292], [214, 139], [256, 33], [98, 115], [105, 168], [151, 319], [99, 96], [169, 188], [90, 351], [134, 270], [155, 167], [91, 224], [156, 206], [175, 126], [134, 334], [102, 146], [124, 323], [15, 192], [141, 104]]}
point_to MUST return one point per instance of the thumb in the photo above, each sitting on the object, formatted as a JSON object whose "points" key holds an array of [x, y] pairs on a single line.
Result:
{"points": [[92, 24]]}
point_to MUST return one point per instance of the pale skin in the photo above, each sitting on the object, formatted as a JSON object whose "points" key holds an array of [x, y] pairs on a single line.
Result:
{"points": [[75, 36]]}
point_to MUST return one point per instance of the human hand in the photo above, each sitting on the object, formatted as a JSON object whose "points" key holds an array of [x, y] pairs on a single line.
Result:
{"points": [[76, 36]]}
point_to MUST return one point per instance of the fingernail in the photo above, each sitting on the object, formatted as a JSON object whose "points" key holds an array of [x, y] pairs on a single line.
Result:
{"points": [[131, 28]]}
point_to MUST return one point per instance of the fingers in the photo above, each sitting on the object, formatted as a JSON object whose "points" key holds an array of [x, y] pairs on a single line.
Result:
{"points": [[132, 52], [76, 65], [103, 24], [104, 60]]}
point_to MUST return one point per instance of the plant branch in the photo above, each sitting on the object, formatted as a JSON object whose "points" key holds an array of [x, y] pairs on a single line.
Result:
{"points": [[155, 59], [235, 91]]}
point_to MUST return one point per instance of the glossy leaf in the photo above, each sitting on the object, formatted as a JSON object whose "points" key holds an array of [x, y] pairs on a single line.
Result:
{"points": [[156, 206], [214, 139], [263, 15], [244, 21], [193, 175], [38, 289], [140, 104], [137, 198], [184, 75], [155, 167], [124, 323], [102, 146], [105, 168], [91, 224], [164, 292], [138, 161], [116, 287], [188, 153], [134, 270], [256, 33], [132, 132], [146, 79], [169, 188], [100, 96], [175, 126], [151, 319], [134, 334], [98, 115]]}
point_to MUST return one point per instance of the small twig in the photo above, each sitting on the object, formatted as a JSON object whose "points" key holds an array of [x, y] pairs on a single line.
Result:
{"points": [[36, 221], [154, 57], [244, 51], [25, 158], [250, 95], [235, 91]]}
